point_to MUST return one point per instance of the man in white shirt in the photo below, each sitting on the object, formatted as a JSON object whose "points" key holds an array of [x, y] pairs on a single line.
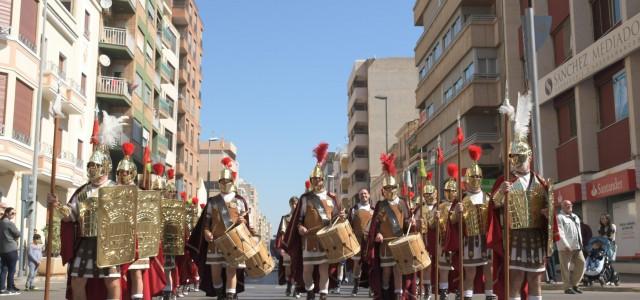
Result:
{"points": [[570, 248]]}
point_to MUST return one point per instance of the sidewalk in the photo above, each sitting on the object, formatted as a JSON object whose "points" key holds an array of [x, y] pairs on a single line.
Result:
{"points": [[628, 283]]}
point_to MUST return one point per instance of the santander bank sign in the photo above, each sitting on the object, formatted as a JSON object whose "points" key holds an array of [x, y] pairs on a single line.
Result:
{"points": [[613, 184]]}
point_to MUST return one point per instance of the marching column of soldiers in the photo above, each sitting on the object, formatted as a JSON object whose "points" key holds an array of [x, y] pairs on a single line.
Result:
{"points": [[138, 238]]}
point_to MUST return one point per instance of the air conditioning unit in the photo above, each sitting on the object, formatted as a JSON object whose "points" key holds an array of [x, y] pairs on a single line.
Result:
{"points": [[4, 32]]}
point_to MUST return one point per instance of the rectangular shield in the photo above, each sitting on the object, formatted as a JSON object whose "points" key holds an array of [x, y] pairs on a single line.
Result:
{"points": [[116, 225], [173, 216], [149, 223]]}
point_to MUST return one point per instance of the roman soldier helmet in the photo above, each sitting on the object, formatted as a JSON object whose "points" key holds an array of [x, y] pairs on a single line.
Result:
{"points": [[520, 144], [474, 170], [451, 184], [127, 164], [389, 170], [103, 138], [158, 182], [320, 153], [171, 186], [226, 172]]}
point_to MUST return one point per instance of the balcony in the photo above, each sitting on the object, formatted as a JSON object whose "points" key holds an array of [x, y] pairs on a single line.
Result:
{"points": [[180, 13], [359, 95], [120, 7], [169, 38], [358, 164], [358, 140], [167, 73], [182, 102], [15, 150], [55, 84], [70, 171], [358, 117], [113, 89], [614, 145], [480, 32], [165, 108], [568, 160], [182, 137], [160, 144], [116, 43]]}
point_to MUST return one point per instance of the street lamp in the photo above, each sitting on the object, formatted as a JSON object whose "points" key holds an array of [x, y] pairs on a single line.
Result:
{"points": [[386, 122], [211, 139]]}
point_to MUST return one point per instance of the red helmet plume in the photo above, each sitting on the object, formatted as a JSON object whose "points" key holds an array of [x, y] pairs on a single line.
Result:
{"points": [[158, 169], [307, 184], [183, 195], [127, 149], [227, 162], [388, 163], [195, 200], [475, 152], [320, 152], [171, 173], [452, 170], [429, 175], [202, 205]]}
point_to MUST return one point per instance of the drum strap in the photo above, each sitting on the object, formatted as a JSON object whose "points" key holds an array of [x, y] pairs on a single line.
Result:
{"points": [[315, 201], [221, 207], [395, 225]]}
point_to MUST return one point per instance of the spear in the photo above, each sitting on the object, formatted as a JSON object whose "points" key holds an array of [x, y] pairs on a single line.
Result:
{"points": [[459, 139], [438, 167], [507, 111]]}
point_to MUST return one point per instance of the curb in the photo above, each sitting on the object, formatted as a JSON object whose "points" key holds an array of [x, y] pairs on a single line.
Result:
{"points": [[559, 287]]}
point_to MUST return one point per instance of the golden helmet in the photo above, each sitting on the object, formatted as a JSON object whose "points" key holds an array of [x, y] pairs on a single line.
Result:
{"points": [[389, 180], [320, 152], [100, 157], [451, 184], [389, 170], [157, 179], [428, 187], [127, 164], [474, 170], [520, 146], [226, 172]]}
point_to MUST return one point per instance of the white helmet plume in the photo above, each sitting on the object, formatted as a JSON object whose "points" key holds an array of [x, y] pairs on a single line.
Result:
{"points": [[111, 129]]}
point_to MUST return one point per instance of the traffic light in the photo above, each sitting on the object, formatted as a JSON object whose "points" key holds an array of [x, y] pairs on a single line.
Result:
{"points": [[27, 196]]}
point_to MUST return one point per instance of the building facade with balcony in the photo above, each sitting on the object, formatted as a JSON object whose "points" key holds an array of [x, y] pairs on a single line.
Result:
{"points": [[393, 79], [589, 103], [463, 62], [68, 74], [188, 22]]}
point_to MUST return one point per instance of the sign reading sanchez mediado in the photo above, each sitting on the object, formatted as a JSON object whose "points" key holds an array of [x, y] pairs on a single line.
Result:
{"points": [[605, 51]]}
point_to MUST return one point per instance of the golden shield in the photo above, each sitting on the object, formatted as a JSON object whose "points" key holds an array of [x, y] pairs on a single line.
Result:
{"points": [[116, 225], [149, 223], [173, 216]]}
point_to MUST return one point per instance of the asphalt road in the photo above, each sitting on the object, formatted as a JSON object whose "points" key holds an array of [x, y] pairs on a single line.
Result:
{"points": [[267, 289]]}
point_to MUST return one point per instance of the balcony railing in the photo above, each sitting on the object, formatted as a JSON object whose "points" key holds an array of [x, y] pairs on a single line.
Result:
{"points": [[165, 106], [115, 36], [161, 143], [54, 68], [169, 37], [22, 137], [167, 71], [113, 86]]}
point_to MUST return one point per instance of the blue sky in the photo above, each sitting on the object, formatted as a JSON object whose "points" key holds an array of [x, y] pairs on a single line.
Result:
{"points": [[275, 76]]}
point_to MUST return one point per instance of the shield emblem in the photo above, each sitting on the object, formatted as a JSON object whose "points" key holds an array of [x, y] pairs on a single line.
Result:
{"points": [[149, 223], [173, 216], [116, 225]]}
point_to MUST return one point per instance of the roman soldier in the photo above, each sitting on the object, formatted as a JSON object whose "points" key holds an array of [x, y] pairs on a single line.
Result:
{"points": [[475, 222], [316, 210], [218, 277], [80, 221], [390, 219], [448, 236], [284, 270], [360, 218], [424, 212], [531, 233]]}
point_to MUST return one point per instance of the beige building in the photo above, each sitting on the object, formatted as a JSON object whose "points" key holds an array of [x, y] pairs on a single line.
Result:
{"points": [[70, 61], [463, 64], [589, 87], [393, 79], [210, 154], [187, 20]]}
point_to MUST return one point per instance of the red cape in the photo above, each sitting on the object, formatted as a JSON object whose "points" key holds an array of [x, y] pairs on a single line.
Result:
{"points": [[293, 245], [153, 278], [197, 247], [373, 258], [279, 245], [495, 241]]}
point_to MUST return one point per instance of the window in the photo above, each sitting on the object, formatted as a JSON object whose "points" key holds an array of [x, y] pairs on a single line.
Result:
{"points": [[139, 83], [79, 150], [620, 99], [146, 94], [446, 41], [606, 15], [468, 72], [67, 4], [28, 23], [430, 110], [169, 135], [149, 51], [566, 112], [22, 116], [3, 100], [448, 94], [487, 66], [145, 137], [62, 65], [457, 26], [170, 103], [458, 85], [437, 50], [136, 132], [87, 23], [562, 42], [172, 71], [140, 39], [151, 12], [83, 84]]}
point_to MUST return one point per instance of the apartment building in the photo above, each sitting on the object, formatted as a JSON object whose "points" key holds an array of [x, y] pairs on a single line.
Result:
{"points": [[210, 153], [465, 56], [69, 74], [380, 100], [589, 82], [188, 22]]}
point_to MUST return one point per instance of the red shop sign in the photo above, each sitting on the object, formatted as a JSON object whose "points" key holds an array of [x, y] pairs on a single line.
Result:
{"points": [[612, 184], [571, 192]]}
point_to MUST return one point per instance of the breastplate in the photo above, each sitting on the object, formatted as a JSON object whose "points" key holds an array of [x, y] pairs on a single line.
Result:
{"points": [[444, 217], [361, 220], [217, 222], [475, 217], [88, 217], [312, 219], [386, 229], [525, 204]]}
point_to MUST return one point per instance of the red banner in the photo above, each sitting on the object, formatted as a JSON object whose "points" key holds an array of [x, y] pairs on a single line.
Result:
{"points": [[613, 184], [571, 192]]}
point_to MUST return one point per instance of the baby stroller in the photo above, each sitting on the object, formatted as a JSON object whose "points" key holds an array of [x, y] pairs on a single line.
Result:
{"points": [[598, 264]]}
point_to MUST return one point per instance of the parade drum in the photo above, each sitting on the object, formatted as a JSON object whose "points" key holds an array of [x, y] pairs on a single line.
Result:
{"points": [[236, 244], [410, 253], [338, 241], [260, 264]]}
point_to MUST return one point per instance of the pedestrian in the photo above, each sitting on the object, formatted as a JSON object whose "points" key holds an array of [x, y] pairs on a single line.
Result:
{"points": [[608, 230], [35, 255], [551, 266], [9, 235], [570, 248]]}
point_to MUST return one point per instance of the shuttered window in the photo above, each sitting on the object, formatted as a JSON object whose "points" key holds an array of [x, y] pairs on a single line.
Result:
{"points": [[5, 13], [3, 99], [22, 112], [29, 23]]}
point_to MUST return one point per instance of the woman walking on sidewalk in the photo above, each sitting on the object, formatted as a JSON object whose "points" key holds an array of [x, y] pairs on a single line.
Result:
{"points": [[9, 235]]}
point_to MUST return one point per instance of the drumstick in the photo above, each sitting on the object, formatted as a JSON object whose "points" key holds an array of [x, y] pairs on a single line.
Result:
{"points": [[409, 229]]}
